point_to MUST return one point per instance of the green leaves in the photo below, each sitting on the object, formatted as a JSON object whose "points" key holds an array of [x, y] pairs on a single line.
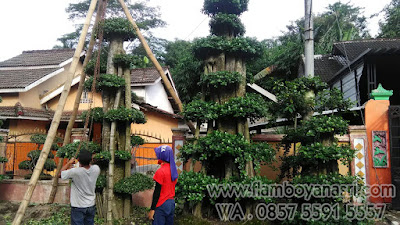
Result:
{"points": [[226, 24], [122, 155], [201, 111], [220, 79], [137, 182], [122, 114], [215, 146], [250, 106], [117, 28], [105, 81], [237, 7], [246, 48], [136, 140], [69, 150], [96, 114]]}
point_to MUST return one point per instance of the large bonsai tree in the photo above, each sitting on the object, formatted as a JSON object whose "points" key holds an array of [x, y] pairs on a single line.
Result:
{"points": [[226, 152]]}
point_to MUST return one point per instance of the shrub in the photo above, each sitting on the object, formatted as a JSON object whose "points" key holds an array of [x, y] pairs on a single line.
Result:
{"points": [[137, 182], [123, 114]]}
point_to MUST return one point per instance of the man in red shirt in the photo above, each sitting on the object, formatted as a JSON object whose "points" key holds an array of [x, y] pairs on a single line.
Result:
{"points": [[163, 205]]}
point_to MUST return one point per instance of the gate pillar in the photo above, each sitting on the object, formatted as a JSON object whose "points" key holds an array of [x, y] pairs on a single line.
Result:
{"points": [[378, 149], [178, 139]]}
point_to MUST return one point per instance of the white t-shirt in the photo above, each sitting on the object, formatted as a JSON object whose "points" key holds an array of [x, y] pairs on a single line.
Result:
{"points": [[83, 185]]}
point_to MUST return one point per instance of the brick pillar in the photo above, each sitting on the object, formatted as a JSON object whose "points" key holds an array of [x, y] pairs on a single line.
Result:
{"points": [[3, 148], [178, 139], [378, 149], [79, 134]]}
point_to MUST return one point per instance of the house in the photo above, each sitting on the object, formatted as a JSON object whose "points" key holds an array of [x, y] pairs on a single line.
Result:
{"points": [[31, 85], [357, 67]]}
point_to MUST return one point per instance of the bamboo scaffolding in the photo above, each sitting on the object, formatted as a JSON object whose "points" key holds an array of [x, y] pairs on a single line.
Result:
{"points": [[56, 119], [153, 59], [71, 122]]}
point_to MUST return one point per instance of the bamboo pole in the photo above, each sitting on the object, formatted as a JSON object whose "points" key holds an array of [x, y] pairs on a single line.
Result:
{"points": [[128, 105], [153, 59], [71, 122], [56, 119]]}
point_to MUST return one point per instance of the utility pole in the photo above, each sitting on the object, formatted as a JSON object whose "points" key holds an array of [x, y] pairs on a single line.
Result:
{"points": [[309, 39]]}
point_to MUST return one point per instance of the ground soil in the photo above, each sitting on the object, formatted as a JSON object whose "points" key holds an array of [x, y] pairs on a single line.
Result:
{"points": [[33, 211]]}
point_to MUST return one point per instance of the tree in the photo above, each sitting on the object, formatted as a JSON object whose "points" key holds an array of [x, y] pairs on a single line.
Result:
{"points": [[185, 68], [390, 27], [147, 18], [226, 152], [341, 22]]}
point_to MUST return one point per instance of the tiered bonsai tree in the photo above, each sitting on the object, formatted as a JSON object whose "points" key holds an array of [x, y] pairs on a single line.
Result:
{"points": [[33, 156], [226, 153], [2, 159], [112, 79], [317, 154]]}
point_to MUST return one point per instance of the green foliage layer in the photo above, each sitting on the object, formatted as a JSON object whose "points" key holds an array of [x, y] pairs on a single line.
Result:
{"points": [[137, 182], [105, 81], [123, 114], [226, 24], [220, 79], [118, 28], [237, 7], [243, 47]]}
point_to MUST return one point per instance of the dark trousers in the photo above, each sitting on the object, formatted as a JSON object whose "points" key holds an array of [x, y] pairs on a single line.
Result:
{"points": [[164, 214], [83, 216]]}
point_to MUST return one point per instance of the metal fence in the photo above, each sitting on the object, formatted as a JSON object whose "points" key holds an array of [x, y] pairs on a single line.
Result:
{"points": [[16, 152], [144, 158]]}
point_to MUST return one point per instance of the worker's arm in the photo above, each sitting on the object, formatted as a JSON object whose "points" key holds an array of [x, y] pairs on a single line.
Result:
{"points": [[67, 166], [156, 196]]}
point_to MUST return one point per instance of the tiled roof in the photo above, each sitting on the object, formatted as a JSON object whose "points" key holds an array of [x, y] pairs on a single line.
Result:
{"points": [[30, 66], [12, 112], [22, 78], [39, 58], [326, 66], [145, 75], [155, 109], [356, 47]]}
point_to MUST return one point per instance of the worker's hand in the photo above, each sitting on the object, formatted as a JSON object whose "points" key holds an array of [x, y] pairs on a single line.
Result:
{"points": [[151, 215], [71, 161]]}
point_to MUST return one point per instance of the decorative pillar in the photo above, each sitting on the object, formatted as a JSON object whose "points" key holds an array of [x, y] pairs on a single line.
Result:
{"points": [[178, 139], [358, 141], [378, 154], [3, 148]]}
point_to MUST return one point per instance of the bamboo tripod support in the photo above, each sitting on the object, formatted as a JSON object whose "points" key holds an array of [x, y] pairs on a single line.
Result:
{"points": [[71, 122], [153, 59], [56, 119]]}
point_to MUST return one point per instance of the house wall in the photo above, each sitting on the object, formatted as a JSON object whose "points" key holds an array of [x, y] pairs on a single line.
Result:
{"points": [[157, 124], [26, 126], [9, 99], [69, 105], [347, 83], [157, 96]]}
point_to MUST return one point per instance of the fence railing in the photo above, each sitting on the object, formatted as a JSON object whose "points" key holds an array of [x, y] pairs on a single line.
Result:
{"points": [[16, 152], [144, 158]]}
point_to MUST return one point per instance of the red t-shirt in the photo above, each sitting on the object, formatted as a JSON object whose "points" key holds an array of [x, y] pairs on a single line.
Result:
{"points": [[163, 177]]}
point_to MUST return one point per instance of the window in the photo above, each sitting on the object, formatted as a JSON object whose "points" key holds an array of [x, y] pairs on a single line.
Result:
{"points": [[85, 97]]}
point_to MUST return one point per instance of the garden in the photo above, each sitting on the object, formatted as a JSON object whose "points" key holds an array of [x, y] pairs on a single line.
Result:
{"points": [[223, 181]]}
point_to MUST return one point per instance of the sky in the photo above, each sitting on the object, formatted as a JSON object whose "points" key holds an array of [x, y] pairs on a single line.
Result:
{"points": [[36, 25]]}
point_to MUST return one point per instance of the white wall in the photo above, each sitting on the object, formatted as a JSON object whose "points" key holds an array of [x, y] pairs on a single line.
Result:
{"points": [[157, 96]]}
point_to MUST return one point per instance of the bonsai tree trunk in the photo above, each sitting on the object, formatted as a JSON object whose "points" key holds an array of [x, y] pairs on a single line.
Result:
{"points": [[56, 119]]}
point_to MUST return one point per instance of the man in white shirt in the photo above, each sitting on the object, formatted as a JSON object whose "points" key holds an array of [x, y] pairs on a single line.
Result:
{"points": [[83, 196]]}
